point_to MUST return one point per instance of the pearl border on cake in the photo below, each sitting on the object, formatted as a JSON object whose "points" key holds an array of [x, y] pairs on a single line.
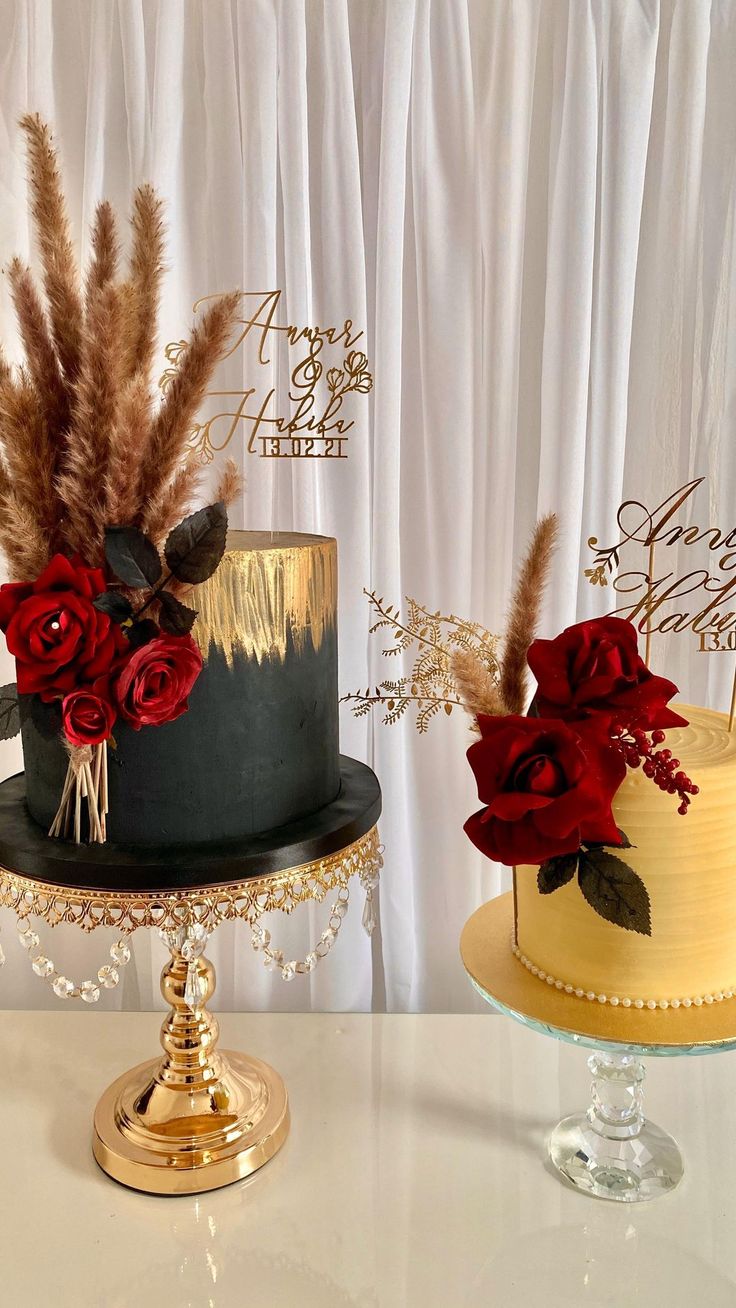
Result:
{"points": [[579, 992]]}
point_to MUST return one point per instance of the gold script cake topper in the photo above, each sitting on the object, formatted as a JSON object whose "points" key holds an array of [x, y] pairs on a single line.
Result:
{"points": [[700, 600], [326, 369]]}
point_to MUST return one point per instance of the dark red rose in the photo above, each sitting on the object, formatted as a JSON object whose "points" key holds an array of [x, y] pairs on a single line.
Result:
{"points": [[87, 715], [156, 680], [547, 788], [595, 668], [58, 637]]}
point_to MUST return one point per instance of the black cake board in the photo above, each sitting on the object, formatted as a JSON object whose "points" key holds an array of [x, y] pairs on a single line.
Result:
{"points": [[26, 850]]}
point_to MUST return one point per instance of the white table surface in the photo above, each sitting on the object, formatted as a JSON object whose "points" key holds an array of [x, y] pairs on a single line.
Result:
{"points": [[414, 1175]]}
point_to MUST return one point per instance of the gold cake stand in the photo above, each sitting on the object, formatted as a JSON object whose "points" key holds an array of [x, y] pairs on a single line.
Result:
{"points": [[610, 1151], [197, 1118]]}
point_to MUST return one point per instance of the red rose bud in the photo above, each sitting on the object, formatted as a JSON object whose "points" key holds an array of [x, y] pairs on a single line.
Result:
{"points": [[595, 668], [154, 684], [87, 717], [547, 788], [58, 637]]}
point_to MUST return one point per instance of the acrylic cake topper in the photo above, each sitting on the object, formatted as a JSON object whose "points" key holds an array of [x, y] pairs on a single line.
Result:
{"points": [[662, 599], [317, 423]]}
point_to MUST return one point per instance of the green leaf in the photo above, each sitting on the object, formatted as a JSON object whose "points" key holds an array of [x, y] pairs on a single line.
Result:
{"points": [[615, 891], [194, 548], [9, 711], [556, 872], [132, 557], [176, 618], [115, 605]]}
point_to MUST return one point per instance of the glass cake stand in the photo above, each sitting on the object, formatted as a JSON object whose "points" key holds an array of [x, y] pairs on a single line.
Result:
{"points": [[610, 1151], [198, 1118]]}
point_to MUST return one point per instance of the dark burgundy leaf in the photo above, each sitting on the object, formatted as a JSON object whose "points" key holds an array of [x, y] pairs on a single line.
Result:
{"points": [[624, 842], [140, 633], [115, 605], [176, 618], [132, 557], [556, 872], [46, 718], [194, 548], [9, 712], [615, 891]]}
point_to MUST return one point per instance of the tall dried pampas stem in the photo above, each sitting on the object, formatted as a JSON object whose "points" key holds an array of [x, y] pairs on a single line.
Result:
{"points": [[174, 501], [60, 273], [25, 545], [146, 272], [81, 446], [524, 614], [230, 484], [43, 364], [30, 456], [171, 426], [128, 438], [82, 484], [476, 684], [105, 252]]}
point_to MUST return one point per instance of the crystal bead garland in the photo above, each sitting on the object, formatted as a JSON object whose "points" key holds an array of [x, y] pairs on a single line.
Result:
{"points": [[274, 958], [191, 941], [107, 978]]}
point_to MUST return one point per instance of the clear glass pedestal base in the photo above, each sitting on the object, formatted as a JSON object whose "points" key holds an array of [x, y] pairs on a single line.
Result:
{"points": [[611, 1151]]}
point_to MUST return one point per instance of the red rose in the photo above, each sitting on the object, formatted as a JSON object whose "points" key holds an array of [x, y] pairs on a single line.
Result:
{"points": [[595, 667], [547, 789], [156, 680], [87, 716], [58, 637]]}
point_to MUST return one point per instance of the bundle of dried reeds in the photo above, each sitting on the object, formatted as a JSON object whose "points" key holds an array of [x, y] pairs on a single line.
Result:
{"points": [[83, 445], [479, 691]]}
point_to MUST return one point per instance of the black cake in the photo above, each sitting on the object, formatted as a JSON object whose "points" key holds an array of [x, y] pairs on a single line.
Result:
{"points": [[258, 747]]}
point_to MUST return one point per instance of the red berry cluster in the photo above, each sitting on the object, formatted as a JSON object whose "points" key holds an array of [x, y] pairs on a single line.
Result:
{"points": [[658, 764]]}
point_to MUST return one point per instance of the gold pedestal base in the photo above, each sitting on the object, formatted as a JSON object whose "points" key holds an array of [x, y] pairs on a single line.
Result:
{"points": [[196, 1119], [165, 1141]]}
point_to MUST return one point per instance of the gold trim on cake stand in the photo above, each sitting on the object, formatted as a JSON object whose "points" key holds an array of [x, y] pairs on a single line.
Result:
{"points": [[610, 1151], [198, 1118], [127, 910]]}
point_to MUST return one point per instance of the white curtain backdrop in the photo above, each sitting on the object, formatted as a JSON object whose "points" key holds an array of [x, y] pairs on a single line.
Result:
{"points": [[529, 206]]}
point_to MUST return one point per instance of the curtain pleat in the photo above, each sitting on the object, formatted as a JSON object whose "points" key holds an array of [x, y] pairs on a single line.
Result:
{"points": [[528, 209]]}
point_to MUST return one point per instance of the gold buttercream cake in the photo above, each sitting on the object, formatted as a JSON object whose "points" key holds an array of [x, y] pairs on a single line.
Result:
{"points": [[688, 866]]}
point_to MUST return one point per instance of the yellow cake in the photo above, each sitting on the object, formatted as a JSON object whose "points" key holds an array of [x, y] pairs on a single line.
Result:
{"points": [[688, 865]]}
